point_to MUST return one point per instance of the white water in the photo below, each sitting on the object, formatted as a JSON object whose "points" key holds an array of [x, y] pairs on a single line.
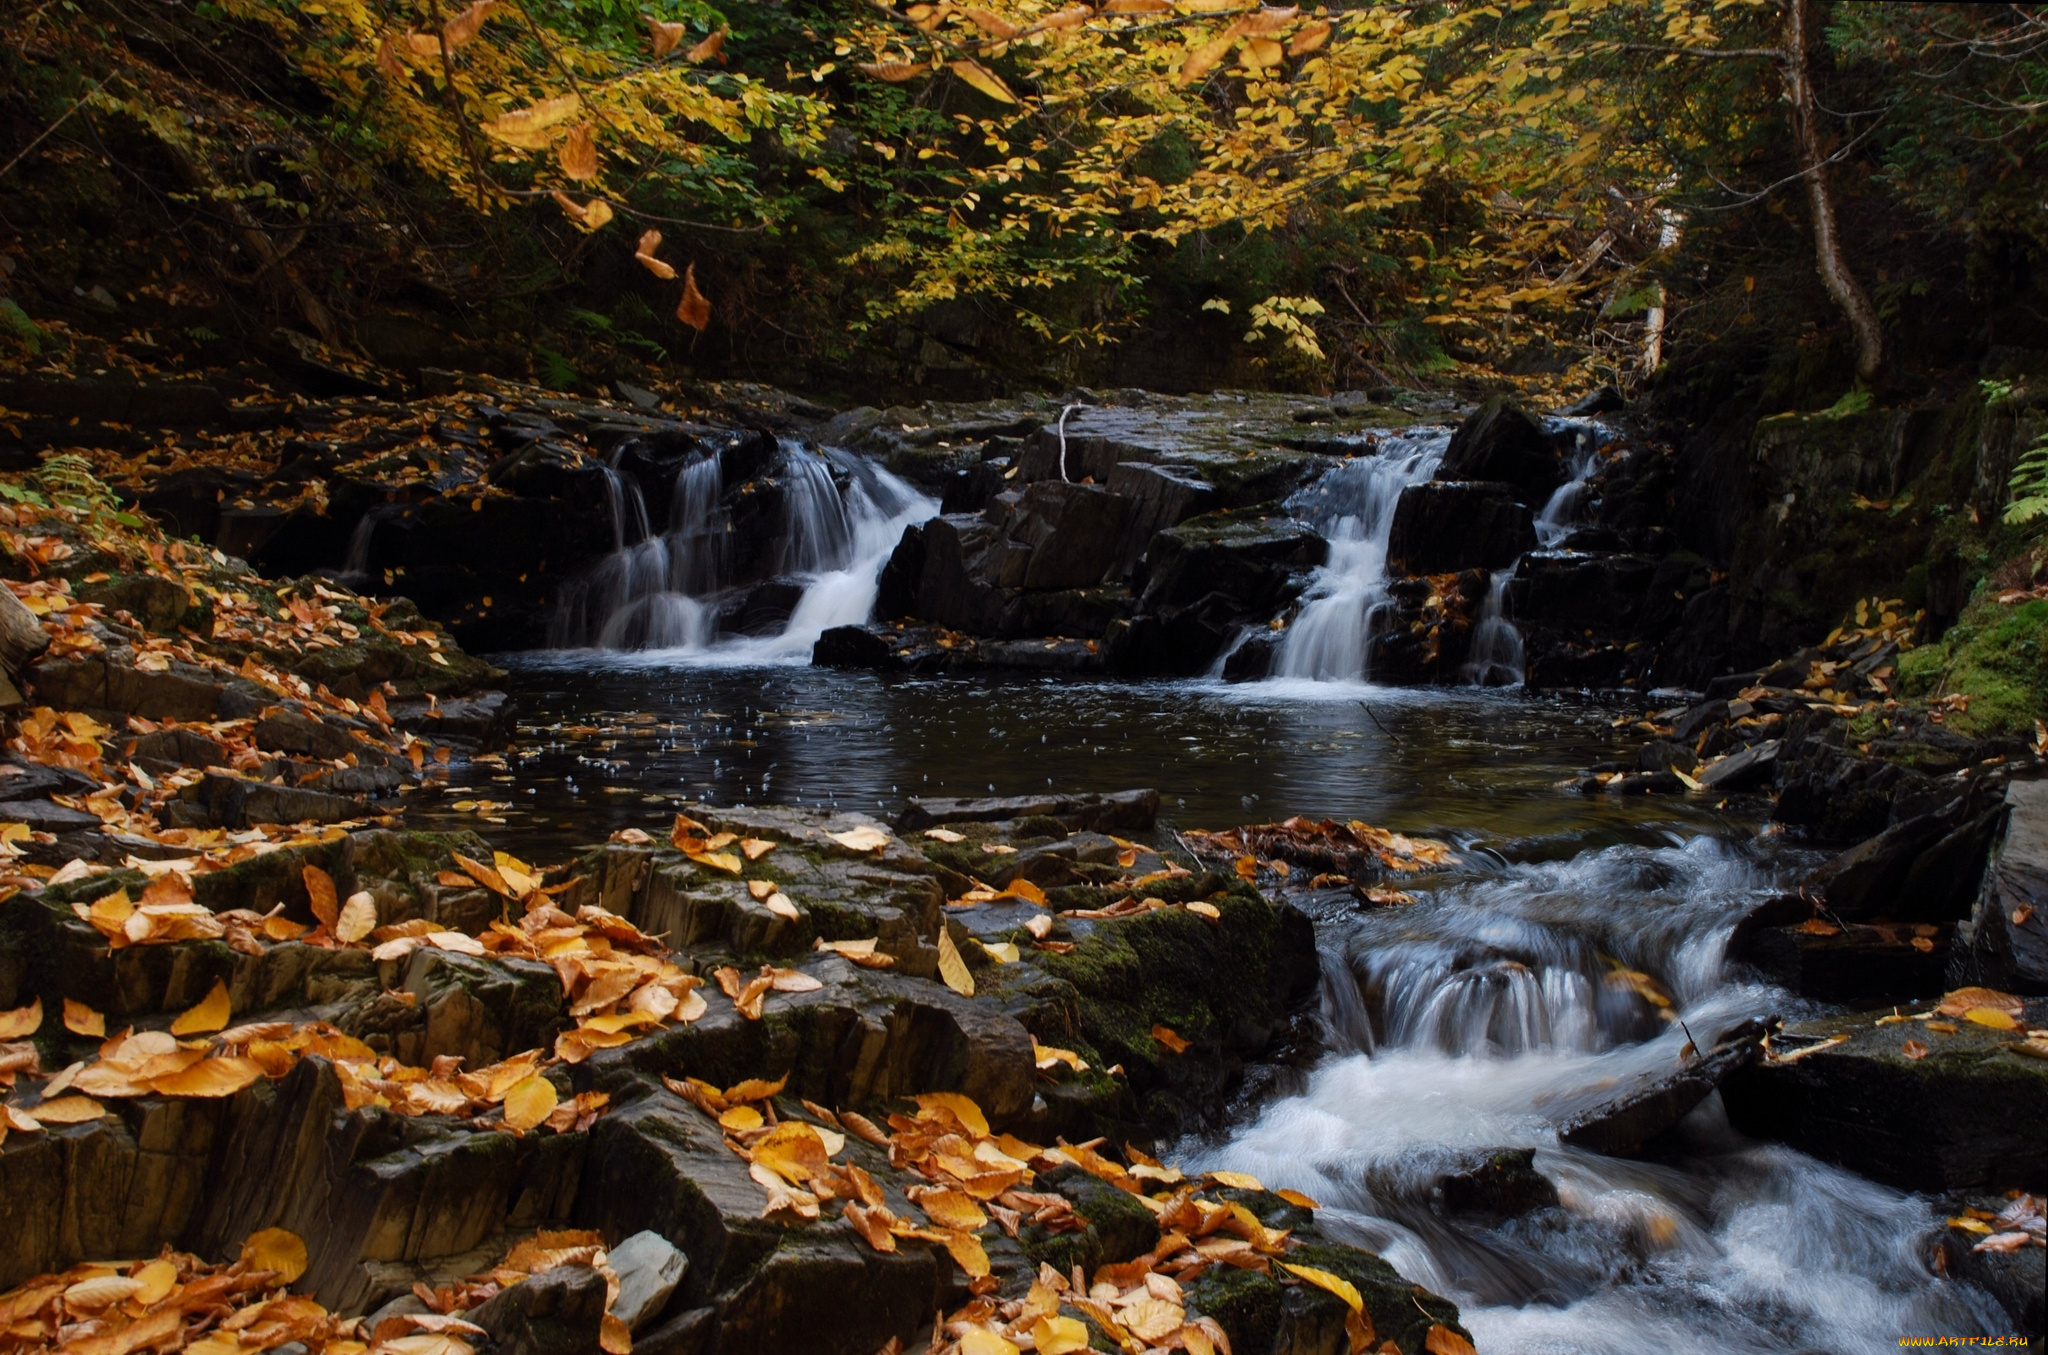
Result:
{"points": [[1353, 507], [1480, 1018], [841, 518], [1495, 659], [1560, 511]]}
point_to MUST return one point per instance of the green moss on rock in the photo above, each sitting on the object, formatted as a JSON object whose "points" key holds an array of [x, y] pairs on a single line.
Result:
{"points": [[1997, 655]]}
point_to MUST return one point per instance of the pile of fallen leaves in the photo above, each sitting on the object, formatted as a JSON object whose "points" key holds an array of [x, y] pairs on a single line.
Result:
{"points": [[1339, 853], [2020, 1224]]}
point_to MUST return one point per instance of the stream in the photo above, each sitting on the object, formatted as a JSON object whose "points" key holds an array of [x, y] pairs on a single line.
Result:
{"points": [[1475, 1019]]}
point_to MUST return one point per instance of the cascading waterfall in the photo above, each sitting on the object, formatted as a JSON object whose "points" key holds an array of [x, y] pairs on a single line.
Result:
{"points": [[1495, 659], [662, 591], [1509, 1000], [1560, 511], [1353, 507]]}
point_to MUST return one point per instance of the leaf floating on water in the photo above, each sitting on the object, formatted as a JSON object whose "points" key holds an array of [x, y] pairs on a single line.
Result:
{"points": [[211, 1013], [952, 969], [278, 1250]]}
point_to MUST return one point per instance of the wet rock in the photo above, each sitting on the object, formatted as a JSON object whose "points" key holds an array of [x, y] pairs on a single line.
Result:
{"points": [[1204, 581], [1263, 1317], [1159, 497], [479, 722], [2017, 1279], [2003, 943], [180, 747], [557, 1312], [649, 1269], [1073, 532], [1624, 1122], [1441, 527], [1925, 869], [1251, 660], [1857, 965], [1965, 1113], [223, 801], [689, 1333], [1501, 441], [1129, 811], [1749, 768], [1498, 1185], [1600, 400], [181, 692]]}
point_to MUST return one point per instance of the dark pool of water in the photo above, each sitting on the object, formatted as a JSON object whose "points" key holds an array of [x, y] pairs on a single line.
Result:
{"points": [[608, 741]]}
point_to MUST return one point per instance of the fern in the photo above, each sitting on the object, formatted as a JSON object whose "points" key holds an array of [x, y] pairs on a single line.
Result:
{"points": [[2029, 486]]}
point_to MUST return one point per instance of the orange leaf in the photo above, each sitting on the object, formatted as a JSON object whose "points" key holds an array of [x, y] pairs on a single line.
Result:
{"points": [[693, 310], [706, 49], [80, 1019], [465, 26], [578, 154], [1166, 1036], [22, 1022], [1310, 37], [531, 1100], [210, 1014], [1441, 1340], [320, 890], [895, 72], [666, 36], [278, 1250], [487, 876]]}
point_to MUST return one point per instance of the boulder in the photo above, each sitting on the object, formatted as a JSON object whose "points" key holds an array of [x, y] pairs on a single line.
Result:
{"points": [[1493, 1186], [1204, 581], [1502, 441], [557, 1312], [1579, 592], [1925, 869], [1856, 965], [1159, 497], [2017, 1279], [2004, 942], [1966, 1112], [649, 1269], [1441, 527], [1745, 769], [1073, 531], [1623, 1122]]}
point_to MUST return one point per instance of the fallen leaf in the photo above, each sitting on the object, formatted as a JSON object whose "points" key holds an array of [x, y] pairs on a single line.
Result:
{"points": [[278, 1250], [728, 862], [1959, 1002], [487, 876], [1913, 1049], [980, 1340], [872, 1223], [1237, 1180], [966, 1249], [1441, 1340], [209, 1015], [22, 1022], [949, 1209], [944, 835], [320, 891], [2004, 1242], [80, 1019], [1991, 1017], [209, 1078], [755, 1089], [862, 839], [754, 848], [1166, 1036], [1295, 1197], [100, 1291], [530, 1101], [68, 1110], [358, 917], [953, 969], [1055, 1335], [1336, 1284]]}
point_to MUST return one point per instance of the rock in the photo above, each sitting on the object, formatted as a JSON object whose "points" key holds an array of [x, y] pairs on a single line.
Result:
{"points": [[1441, 527], [480, 722], [557, 1312], [22, 637], [689, 1333], [1130, 811], [229, 802], [649, 1269], [1159, 497], [1857, 965], [1495, 1185], [1925, 869], [1967, 1113], [1263, 1317], [1073, 531], [181, 692], [1204, 581], [1251, 660], [1627, 1120], [1601, 400], [45, 816], [2017, 1279], [2003, 944], [1746, 769], [1501, 441]]}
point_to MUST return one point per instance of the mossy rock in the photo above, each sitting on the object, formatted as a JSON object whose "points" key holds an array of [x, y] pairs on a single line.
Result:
{"points": [[1261, 1314], [1122, 1225], [1997, 655]]}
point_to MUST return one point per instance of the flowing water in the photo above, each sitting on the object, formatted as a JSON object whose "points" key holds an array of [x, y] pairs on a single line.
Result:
{"points": [[1476, 1019]]}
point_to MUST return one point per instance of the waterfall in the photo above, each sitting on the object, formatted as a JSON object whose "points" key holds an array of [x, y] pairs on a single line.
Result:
{"points": [[1560, 511], [1353, 507], [1495, 658], [839, 519]]}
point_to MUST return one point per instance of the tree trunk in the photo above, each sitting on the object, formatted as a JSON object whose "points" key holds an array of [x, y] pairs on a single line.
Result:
{"points": [[1834, 269]]}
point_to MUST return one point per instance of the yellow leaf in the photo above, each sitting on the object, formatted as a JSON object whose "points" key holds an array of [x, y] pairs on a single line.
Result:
{"points": [[1441, 1340], [980, 1340], [984, 79], [1021, 888], [80, 1019], [158, 1278], [729, 862], [614, 1337], [1002, 952], [68, 1110], [1237, 1180], [278, 1250], [962, 1108], [578, 154], [952, 968], [22, 1022], [211, 1014], [1166, 1036], [693, 310], [740, 1119], [755, 1089], [1336, 1284], [1260, 53], [863, 839], [967, 1250], [1054, 1335], [1297, 1198], [209, 1078], [1992, 1017], [895, 72], [754, 848], [531, 1100], [533, 128], [358, 917], [951, 1209], [944, 835], [1202, 909]]}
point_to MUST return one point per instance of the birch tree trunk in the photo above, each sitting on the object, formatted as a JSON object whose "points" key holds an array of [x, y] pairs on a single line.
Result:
{"points": [[1834, 268]]}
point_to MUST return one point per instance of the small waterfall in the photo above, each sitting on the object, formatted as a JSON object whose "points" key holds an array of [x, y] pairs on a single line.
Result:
{"points": [[1495, 658], [1353, 507], [1560, 511], [665, 591]]}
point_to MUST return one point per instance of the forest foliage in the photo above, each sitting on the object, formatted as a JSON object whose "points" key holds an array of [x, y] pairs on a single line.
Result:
{"points": [[1369, 192]]}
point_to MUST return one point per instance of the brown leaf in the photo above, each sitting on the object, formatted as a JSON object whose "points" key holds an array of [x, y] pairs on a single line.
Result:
{"points": [[534, 127], [465, 26], [1913, 1049], [1200, 61], [667, 37], [487, 876], [992, 24], [578, 153], [1309, 37], [320, 891], [1441, 1340], [895, 72], [358, 917], [706, 49], [693, 310]]}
